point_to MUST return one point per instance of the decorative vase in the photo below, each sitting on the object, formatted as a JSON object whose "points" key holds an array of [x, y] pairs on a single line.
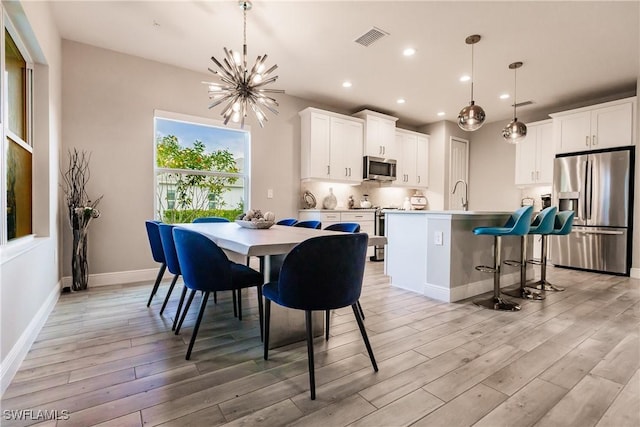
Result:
{"points": [[330, 202], [79, 264]]}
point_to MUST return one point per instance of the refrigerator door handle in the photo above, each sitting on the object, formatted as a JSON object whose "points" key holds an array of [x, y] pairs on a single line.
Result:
{"points": [[608, 232], [589, 191]]}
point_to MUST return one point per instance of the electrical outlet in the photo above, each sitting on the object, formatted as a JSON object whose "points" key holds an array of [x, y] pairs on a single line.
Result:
{"points": [[437, 238], [270, 193]]}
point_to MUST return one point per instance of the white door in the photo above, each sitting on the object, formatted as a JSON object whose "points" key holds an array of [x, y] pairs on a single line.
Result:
{"points": [[458, 169]]}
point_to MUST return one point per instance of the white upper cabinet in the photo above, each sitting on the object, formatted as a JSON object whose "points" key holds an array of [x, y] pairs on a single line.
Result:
{"points": [[331, 146], [413, 162], [599, 126], [534, 155], [379, 134]]}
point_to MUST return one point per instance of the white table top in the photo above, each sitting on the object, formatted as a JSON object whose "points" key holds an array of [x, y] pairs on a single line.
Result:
{"points": [[279, 239]]}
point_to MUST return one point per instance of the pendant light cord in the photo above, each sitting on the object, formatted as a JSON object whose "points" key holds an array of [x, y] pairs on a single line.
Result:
{"points": [[244, 45], [515, 91], [471, 73]]}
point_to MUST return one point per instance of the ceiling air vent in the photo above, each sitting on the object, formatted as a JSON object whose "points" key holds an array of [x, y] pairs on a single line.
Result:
{"points": [[371, 36], [522, 104]]}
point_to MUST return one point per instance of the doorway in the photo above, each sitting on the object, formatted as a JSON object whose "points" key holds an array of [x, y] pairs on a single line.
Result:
{"points": [[458, 170]]}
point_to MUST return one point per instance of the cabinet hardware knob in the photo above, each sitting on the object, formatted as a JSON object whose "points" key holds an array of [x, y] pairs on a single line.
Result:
{"points": [[586, 141], [593, 140], [328, 170]]}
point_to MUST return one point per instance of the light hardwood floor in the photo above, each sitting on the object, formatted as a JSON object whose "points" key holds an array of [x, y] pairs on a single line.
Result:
{"points": [[104, 358]]}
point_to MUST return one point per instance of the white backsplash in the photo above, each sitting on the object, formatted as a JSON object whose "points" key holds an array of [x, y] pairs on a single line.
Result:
{"points": [[535, 193], [379, 194]]}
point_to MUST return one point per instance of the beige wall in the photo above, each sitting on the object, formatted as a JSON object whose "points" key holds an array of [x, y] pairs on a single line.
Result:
{"points": [[109, 102]]}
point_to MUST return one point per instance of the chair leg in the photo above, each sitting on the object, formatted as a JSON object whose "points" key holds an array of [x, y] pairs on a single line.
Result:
{"points": [[239, 303], [327, 315], [184, 312], [260, 311], [197, 325], [365, 337], [360, 310], [267, 319], [312, 374], [163, 267], [175, 320], [166, 299], [235, 303], [521, 291]]}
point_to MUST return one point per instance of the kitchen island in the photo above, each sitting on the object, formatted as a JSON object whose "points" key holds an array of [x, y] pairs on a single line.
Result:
{"points": [[435, 253]]}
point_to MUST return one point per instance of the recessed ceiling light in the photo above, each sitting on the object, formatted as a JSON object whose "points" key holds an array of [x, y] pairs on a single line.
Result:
{"points": [[465, 78], [409, 51], [504, 96], [440, 113], [346, 84], [401, 101]]}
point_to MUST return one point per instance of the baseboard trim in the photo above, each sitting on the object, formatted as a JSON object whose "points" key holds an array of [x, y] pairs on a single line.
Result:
{"points": [[119, 277], [469, 290], [635, 273], [12, 362]]}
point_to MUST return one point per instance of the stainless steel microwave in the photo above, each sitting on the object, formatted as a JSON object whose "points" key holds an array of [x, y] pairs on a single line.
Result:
{"points": [[379, 169]]}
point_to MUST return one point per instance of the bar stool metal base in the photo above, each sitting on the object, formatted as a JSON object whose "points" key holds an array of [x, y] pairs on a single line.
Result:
{"points": [[498, 303], [524, 293], [547, 286]]}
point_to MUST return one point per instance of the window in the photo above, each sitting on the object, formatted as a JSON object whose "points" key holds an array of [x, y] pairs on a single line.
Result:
{"points": [[201, 168], [16, 138]]}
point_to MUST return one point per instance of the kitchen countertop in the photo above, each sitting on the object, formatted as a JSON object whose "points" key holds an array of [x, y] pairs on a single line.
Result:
{"points": [[338, 210]]}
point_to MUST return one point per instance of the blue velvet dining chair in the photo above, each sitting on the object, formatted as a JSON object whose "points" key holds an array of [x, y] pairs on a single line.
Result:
{"points": [[173, 265], [309, 224], [347, 227], [206, 268], [287, 221], [321, 273], [210, 219], [153, 233]]}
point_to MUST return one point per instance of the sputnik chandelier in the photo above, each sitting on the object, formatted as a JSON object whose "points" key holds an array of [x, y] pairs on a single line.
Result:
{"points": [[242, 89]]}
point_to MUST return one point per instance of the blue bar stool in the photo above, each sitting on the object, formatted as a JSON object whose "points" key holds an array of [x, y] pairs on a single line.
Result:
{"points": [[517, 225], [562, 226], [542, 225]]}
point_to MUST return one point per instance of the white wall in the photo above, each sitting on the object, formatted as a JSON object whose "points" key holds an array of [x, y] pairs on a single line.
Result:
{"points": [[29, 273]]}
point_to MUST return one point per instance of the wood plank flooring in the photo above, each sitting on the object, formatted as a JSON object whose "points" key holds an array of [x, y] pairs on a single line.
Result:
{"points": [[103, 358]]}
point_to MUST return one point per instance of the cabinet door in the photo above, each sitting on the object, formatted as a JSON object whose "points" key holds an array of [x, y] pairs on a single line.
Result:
{"points": [[422, 162], [319, 147], [387, 137], [545, 154], [380, 138], [572, 132], [409, 150], [612, 126], [526, 157], [346, 150]]}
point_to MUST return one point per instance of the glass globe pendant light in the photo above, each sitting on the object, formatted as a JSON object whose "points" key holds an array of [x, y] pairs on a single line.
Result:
{"points": [[472, 116], [515, 131]]}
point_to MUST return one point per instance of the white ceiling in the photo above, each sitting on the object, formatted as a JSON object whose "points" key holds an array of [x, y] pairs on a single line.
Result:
{"points": [[572, 51]]}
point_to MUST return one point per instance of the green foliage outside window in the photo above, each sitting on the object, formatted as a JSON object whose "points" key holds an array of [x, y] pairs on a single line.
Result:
{"points": [[189, 196]]}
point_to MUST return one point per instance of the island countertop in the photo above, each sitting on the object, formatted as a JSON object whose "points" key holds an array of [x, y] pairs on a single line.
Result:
{"points": [[435, 252]]}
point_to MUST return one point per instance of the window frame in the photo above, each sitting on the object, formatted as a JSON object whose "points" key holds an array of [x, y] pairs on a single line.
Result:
{"points": [[245, 175], [11, 28]]}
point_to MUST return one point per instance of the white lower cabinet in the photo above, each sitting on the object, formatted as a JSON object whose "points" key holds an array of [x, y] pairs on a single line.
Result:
{"points": [[366, 219]]}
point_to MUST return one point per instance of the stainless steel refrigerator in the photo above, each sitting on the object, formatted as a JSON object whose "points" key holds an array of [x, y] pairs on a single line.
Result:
{"points": [[598, 186]]}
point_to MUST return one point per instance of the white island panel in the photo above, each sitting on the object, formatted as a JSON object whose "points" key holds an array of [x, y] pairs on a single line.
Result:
{"points": [[435, 252]]}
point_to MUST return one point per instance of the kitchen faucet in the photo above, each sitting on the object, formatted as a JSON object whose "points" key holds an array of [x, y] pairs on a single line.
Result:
{"points": [[464, 200]]}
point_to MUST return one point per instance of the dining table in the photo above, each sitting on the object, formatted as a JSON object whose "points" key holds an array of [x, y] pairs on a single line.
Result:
{"points": [[240, 243]]}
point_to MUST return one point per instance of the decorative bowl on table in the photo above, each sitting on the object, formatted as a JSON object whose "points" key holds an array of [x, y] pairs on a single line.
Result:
{"points": [[255, 224]]}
